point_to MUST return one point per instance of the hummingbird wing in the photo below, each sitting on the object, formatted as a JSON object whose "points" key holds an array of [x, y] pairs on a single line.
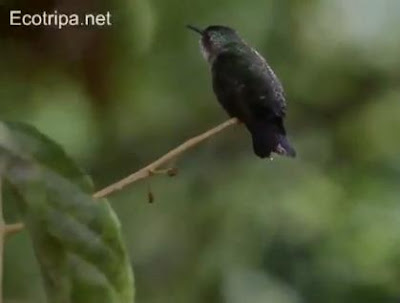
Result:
{"points": [[246, 86], [248, 89]]}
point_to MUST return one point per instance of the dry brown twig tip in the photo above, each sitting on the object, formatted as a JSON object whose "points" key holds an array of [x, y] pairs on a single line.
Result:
{"points": [[172, 172], [11, 229]]}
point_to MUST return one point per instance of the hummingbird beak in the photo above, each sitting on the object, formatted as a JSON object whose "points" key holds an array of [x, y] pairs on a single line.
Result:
{"points": [[195, 29]]}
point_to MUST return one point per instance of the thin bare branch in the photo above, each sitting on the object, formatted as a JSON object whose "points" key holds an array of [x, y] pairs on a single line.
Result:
{"points": [[11, 229], [149, 170]]}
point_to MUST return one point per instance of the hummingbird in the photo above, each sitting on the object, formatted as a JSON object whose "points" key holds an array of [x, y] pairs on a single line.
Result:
{"points": [[247, 88]]}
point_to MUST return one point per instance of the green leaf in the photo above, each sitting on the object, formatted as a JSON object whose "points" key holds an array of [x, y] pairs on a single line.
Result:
{"points": [[77, 240]]}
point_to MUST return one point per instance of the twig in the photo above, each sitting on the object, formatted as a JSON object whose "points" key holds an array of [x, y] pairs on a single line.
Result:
{"points": [[148, 171], [11, 229]]}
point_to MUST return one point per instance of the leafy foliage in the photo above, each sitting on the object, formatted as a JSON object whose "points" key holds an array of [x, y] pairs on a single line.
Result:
{"points": [[77, 242]]}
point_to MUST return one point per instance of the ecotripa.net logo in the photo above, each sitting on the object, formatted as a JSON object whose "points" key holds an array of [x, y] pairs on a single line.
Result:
{"points": [[59, 20]]}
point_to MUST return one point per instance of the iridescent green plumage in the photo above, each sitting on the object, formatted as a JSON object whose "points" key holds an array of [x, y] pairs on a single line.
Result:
{"points": [[247, 88]]}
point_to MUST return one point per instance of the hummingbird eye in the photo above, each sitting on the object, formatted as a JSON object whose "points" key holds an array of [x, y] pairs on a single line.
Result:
{"points": [[207, 41], [212, 39]]}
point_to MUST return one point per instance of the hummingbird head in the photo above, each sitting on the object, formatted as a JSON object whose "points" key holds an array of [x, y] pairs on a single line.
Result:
{"points": [[214, 39]]}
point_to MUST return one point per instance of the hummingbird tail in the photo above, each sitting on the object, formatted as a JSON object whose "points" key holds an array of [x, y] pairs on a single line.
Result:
{"points": [[285, 148], [268, 140]]}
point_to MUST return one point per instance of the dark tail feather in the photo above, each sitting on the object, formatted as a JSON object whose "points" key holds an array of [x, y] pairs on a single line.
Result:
{"points": [[284, 148], [268, 140], [263, 142]]}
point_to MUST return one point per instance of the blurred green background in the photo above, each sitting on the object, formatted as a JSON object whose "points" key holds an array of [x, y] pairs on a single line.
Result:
{"points": [[230, 227]]}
